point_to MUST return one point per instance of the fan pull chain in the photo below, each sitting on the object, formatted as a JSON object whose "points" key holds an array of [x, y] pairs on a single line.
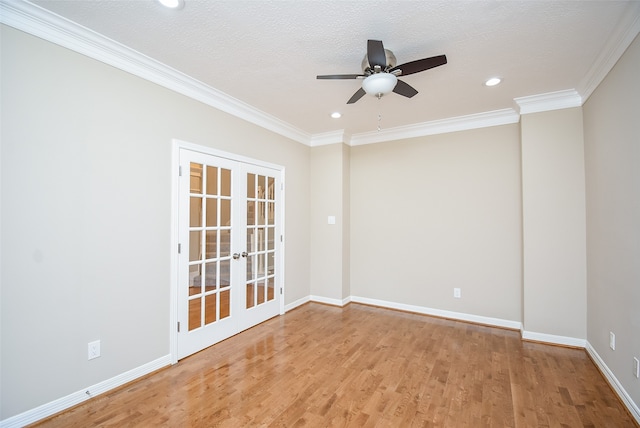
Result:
{"points": [[379, 114]]}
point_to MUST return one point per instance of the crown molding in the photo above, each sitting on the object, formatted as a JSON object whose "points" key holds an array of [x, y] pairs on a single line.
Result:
{"points": [[615, 47], [549, 101], [443, 126], [326, 138], [39, 22]]}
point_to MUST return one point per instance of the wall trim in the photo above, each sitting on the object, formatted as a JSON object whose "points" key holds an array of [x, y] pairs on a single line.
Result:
{"points": [[616, 45], [549, 101], [330, 301], [84, 394], [442, 126], [553, 339], [614, 382], [297, 303], [458, 316], [327, 138], [497, 322], [46, 25], [40, 22], [80, 396]]}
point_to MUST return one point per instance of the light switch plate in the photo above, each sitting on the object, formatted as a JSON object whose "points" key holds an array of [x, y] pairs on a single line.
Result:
{"points": [[331, 219], [612, 340]]}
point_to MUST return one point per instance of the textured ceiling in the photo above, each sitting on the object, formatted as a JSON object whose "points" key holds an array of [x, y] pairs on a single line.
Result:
{"points": [[268, 53]]}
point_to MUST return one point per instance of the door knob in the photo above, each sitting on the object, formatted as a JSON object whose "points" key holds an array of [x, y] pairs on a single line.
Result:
{"points": [[244, 254], [236, 256]]}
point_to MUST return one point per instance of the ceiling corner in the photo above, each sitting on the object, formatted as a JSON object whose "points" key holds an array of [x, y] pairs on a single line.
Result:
{"points": [[615, 47]]}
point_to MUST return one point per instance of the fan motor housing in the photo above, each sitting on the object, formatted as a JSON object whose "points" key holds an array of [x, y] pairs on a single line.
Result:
{"points": [[391, 62]]}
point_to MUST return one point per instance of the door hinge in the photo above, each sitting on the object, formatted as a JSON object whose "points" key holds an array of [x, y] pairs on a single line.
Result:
{"points": [[178, 326], [280, 238], [180, 170], [179, 248], [280, 290]]}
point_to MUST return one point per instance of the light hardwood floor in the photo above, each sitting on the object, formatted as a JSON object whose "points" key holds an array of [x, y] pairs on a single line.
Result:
{"points": [[360, 366]]}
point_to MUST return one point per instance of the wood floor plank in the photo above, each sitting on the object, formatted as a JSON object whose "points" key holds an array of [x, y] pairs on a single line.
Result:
{"points": [[360, 366]]}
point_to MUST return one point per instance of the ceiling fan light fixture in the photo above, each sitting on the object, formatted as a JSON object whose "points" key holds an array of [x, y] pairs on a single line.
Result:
{"points": [[379, 84], [172, 4]]}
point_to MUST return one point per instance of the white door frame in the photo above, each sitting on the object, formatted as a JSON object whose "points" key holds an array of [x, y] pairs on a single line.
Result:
{"points": [[177, 145]]}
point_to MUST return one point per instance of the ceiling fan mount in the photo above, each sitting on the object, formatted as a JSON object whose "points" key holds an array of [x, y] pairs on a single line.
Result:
{"points": [[380, 72], [390, 61]]}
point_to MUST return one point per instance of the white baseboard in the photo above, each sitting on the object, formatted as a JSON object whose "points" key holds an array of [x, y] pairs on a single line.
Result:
{"points": [[614, 382], [330, 301], [296, 303], [496, 322], [553, 339], [48, 409], [78, 397]]}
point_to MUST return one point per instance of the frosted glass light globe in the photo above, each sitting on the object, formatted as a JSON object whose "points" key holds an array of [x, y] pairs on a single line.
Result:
{"points": [[379, 84]]}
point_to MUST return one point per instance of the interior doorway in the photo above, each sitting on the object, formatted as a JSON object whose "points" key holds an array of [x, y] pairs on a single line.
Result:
{"points": [[228, 273]]}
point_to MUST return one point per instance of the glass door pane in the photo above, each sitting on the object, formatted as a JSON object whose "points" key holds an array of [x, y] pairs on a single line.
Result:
{"points": [[209, 242], [260, 273]]}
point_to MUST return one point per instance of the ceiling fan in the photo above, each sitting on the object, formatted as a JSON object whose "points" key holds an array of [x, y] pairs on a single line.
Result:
{"points": [[380, 72]]}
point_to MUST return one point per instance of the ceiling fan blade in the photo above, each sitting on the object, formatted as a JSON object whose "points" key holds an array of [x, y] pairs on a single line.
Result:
{"points": [[359, 94], [404, 89], [340, 76], [420, 65], [375, 54]]}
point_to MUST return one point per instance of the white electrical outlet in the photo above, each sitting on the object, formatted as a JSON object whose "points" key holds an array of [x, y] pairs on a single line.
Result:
{"points": [[636, 367], [612, 340], [457, 293], [94, 349]]}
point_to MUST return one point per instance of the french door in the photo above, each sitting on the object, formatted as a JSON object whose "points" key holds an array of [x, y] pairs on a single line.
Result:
{"points": [[229, 248]]}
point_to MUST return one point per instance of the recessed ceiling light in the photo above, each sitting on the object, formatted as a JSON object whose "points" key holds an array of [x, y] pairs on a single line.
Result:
{"points": [[493, 81], [336, 115], [172, 4]]}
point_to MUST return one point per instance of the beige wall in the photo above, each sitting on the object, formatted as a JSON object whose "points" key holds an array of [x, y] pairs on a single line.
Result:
{"points": [[612, 152], [85, 215], [346, 226], [553, 211], [86, 202], [329, 197], [433, 213]]}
